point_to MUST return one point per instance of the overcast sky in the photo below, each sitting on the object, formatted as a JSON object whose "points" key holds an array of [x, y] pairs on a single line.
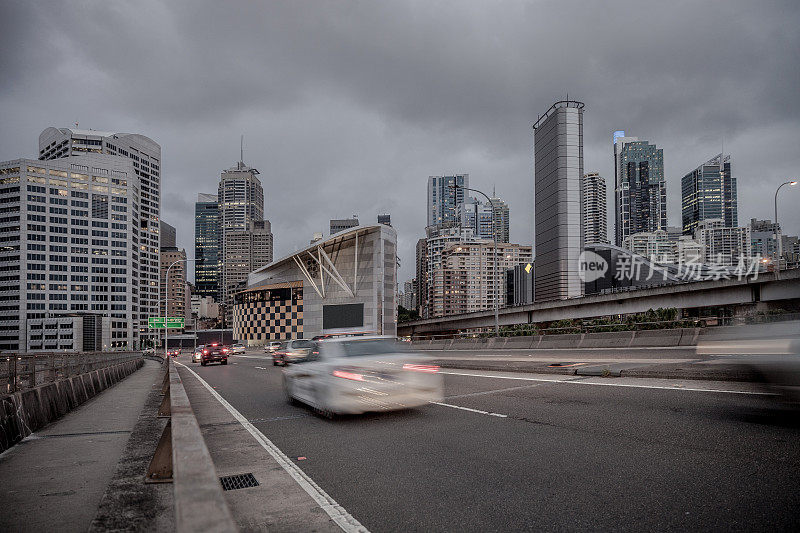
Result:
{"points": [[348, 107]]}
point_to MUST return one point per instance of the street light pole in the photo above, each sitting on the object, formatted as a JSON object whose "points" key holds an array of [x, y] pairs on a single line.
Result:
{"points": [[494, 235], [166, 302], [778, 244]]}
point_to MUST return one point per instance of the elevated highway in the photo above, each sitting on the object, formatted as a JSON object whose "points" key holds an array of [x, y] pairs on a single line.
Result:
{"points": [[745, 295]]}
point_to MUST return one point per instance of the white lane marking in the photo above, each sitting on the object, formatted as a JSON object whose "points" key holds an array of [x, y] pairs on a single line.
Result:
{"points": [[470, 410], [493, 391], [573, 381], [337, 513], [260, 367]]}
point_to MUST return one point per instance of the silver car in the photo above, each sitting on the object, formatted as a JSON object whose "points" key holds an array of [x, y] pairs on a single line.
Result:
{"points": [[272, 346], [359, 374]]}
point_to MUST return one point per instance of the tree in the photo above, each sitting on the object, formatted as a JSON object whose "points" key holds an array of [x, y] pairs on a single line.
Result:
{"points": [[405, 315]]}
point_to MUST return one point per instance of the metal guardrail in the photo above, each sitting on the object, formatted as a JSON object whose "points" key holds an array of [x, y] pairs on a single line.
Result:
{"points": [[183, 459], [24, 371]]}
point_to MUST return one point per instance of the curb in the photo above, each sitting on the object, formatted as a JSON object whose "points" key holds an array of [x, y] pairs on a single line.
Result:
{"points": [[128, 503]]}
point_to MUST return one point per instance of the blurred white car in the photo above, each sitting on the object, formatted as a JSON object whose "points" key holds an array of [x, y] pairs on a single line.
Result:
{"points": [[238, 348], [353, 375], [272, 346]]}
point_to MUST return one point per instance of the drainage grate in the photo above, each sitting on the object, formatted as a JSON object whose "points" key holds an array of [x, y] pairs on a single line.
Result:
{"points": [[239, 481]]}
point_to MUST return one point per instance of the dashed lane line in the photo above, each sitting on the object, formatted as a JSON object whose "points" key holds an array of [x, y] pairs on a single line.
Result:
{"points": [[337, 513], [493, 391], [470, 410]]}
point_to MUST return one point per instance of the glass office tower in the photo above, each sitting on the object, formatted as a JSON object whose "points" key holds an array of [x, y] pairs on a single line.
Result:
{"points": [[206, 245], [640, 189], [709, 192], [558, 143]]}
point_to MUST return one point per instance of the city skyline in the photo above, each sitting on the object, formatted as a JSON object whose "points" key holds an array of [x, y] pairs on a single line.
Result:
{"points": [[326, 123]]}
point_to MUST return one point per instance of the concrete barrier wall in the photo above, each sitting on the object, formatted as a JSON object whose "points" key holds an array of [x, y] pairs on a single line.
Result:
{"points": [[26, 411], [438, 344], [609, 339], [521, 342], [657, 337], [568, 340], [689, 336]]}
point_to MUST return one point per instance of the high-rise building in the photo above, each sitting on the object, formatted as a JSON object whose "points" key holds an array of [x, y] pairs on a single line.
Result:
{"points": [[246, 251], [502, 219], [168, 235], [640, 189], [241, 202], [484, 218], [70, 248], [145, 155], [688, 250], [408, 295], [421, 279], [477, 216], [173, 286], [519, 285], [790, 251], [439, 239], [764, 235], [558, 145], [470, 277], [444, 199], [724, 245], [654, 245], [707, 192], [593, 198], [207, 254], [341, 224]]}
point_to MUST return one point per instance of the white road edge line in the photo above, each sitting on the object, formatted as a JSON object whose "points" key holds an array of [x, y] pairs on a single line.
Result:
{"points": [[576, 382], [470, 410], [337, 513]]}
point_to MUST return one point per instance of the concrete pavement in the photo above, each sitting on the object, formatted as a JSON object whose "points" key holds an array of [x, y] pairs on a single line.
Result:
{"points": [[54, 479]]}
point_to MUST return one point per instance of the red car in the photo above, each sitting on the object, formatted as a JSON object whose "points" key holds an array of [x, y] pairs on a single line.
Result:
{"points": [[214, 353]]}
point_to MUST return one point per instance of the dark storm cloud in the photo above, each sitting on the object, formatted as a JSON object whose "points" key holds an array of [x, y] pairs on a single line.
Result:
{"points": [[347, 107]]}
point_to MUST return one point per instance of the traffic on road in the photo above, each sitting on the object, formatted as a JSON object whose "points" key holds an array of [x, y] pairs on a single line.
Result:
{"points": [[498, 451]]}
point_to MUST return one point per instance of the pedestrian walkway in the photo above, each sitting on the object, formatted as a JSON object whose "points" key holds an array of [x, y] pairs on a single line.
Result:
{"points": [[54, 479]]}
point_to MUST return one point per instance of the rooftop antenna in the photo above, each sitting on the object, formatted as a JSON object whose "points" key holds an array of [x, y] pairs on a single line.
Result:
{"points": [[76, 123], [494, 188], [241, 149]]}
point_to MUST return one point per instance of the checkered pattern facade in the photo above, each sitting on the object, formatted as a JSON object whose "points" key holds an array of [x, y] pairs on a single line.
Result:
{"points": [[268, 313]]}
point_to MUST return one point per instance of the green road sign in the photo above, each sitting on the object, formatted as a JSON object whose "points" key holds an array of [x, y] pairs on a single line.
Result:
{"points": [[157, 322]]}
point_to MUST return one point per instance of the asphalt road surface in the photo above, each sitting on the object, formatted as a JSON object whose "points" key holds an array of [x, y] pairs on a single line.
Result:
{"points": [[513, 452]]}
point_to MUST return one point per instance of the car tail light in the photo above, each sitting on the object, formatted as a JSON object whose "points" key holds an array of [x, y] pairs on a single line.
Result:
{"points": [[430, 369], [205, 352], [348, 375]]}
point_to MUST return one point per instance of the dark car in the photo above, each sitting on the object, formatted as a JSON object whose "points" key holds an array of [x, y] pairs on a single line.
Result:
{"points": [[294, 349], [214, 353]]}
